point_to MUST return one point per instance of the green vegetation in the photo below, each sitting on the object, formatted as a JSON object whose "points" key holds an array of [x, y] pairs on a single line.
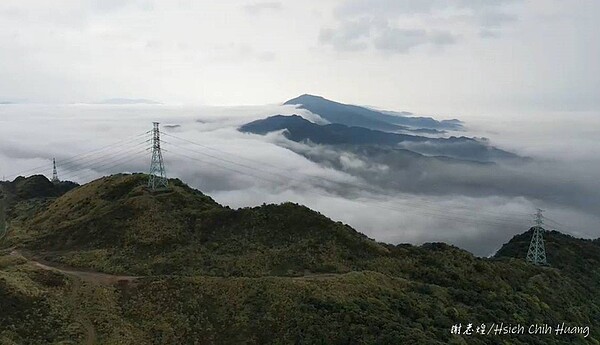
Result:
{"points": [[274, 274], [117, 225]]}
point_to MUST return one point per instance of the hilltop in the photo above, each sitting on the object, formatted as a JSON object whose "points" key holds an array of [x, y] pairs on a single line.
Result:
{"points": [[353, 115], [35, 186], [267, 274], [572, 255], [24, 196], [115, 224]]}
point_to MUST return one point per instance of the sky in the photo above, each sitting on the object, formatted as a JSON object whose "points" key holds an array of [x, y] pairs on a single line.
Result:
{"points": [[433, 56], [524, 74]]}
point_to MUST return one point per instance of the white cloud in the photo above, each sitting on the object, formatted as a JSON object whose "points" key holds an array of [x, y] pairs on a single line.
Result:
{"points": [[216, 53], [244, 170], [398, 25], [258, 7]]}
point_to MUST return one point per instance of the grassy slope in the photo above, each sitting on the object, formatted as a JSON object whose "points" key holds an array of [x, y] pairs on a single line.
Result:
{"points": [[392, 294], [116, 225], [359, 307]]}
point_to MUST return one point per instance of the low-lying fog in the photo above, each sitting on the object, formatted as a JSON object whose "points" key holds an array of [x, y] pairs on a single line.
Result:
{"points": [[239, 169]]}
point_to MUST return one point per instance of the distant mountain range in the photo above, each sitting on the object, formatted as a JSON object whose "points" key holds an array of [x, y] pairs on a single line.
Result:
{"points": [[352, 115], [128, 101], [395, 160], [299, 129]]}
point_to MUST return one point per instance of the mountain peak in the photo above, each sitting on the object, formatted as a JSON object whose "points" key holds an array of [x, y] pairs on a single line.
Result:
{"points": [[128, 101], [353, 115], [304, 98]]}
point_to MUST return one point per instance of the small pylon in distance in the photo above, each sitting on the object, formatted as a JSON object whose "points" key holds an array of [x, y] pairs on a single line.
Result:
{"points": [[158, 177], [54, 172], [537, 251]]}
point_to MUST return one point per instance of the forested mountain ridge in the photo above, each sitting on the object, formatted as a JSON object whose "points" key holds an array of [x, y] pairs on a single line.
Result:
{"points": [[268, 274], [301, 130]]}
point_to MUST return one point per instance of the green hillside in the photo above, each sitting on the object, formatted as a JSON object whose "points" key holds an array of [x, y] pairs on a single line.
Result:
{"points": [[273, 274], [117, 225], [23, 197]]}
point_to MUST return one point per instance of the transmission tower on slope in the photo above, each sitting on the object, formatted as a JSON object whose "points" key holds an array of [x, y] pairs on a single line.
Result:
{"points": [[54, 173], [537, 251], [158, 177]]}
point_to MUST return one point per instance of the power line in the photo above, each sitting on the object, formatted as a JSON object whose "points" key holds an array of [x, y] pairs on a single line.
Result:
{"points": [[553, 221], [411, 203], [348, 184], [421, 209], [77, 156], [83, 163], [379, 204], [96, 161], [102, 169], [93, 169]]}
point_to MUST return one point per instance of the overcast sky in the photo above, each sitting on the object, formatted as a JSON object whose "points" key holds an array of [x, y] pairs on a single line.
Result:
{"points": [[523, 73], [440, 56]]}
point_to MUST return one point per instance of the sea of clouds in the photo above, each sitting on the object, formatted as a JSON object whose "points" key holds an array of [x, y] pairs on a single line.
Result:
{"points": [[477, 210]]}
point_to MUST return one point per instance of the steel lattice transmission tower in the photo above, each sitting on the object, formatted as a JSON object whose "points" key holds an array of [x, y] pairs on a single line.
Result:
{"points": [[158, 177], [537, 251], [54, 173]]}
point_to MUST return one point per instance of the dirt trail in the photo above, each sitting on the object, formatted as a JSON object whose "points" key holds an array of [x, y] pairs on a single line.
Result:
{"points": [[82, 319], [110, 279], [77, 278], [91, 277], [319, 276]]}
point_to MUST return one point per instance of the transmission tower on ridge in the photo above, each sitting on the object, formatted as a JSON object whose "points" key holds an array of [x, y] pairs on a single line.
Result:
{"points": [[54, 173], [537, 251], [158, 177]]}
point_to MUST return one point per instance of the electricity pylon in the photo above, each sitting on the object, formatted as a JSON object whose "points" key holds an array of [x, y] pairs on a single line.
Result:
{"points": [[537, 251], [54, 173], [158, 177]]}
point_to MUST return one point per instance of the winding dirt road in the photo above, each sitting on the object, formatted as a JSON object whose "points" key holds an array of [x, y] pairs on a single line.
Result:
{"points": [[91, 277], [108, 279], [78, 277]]}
